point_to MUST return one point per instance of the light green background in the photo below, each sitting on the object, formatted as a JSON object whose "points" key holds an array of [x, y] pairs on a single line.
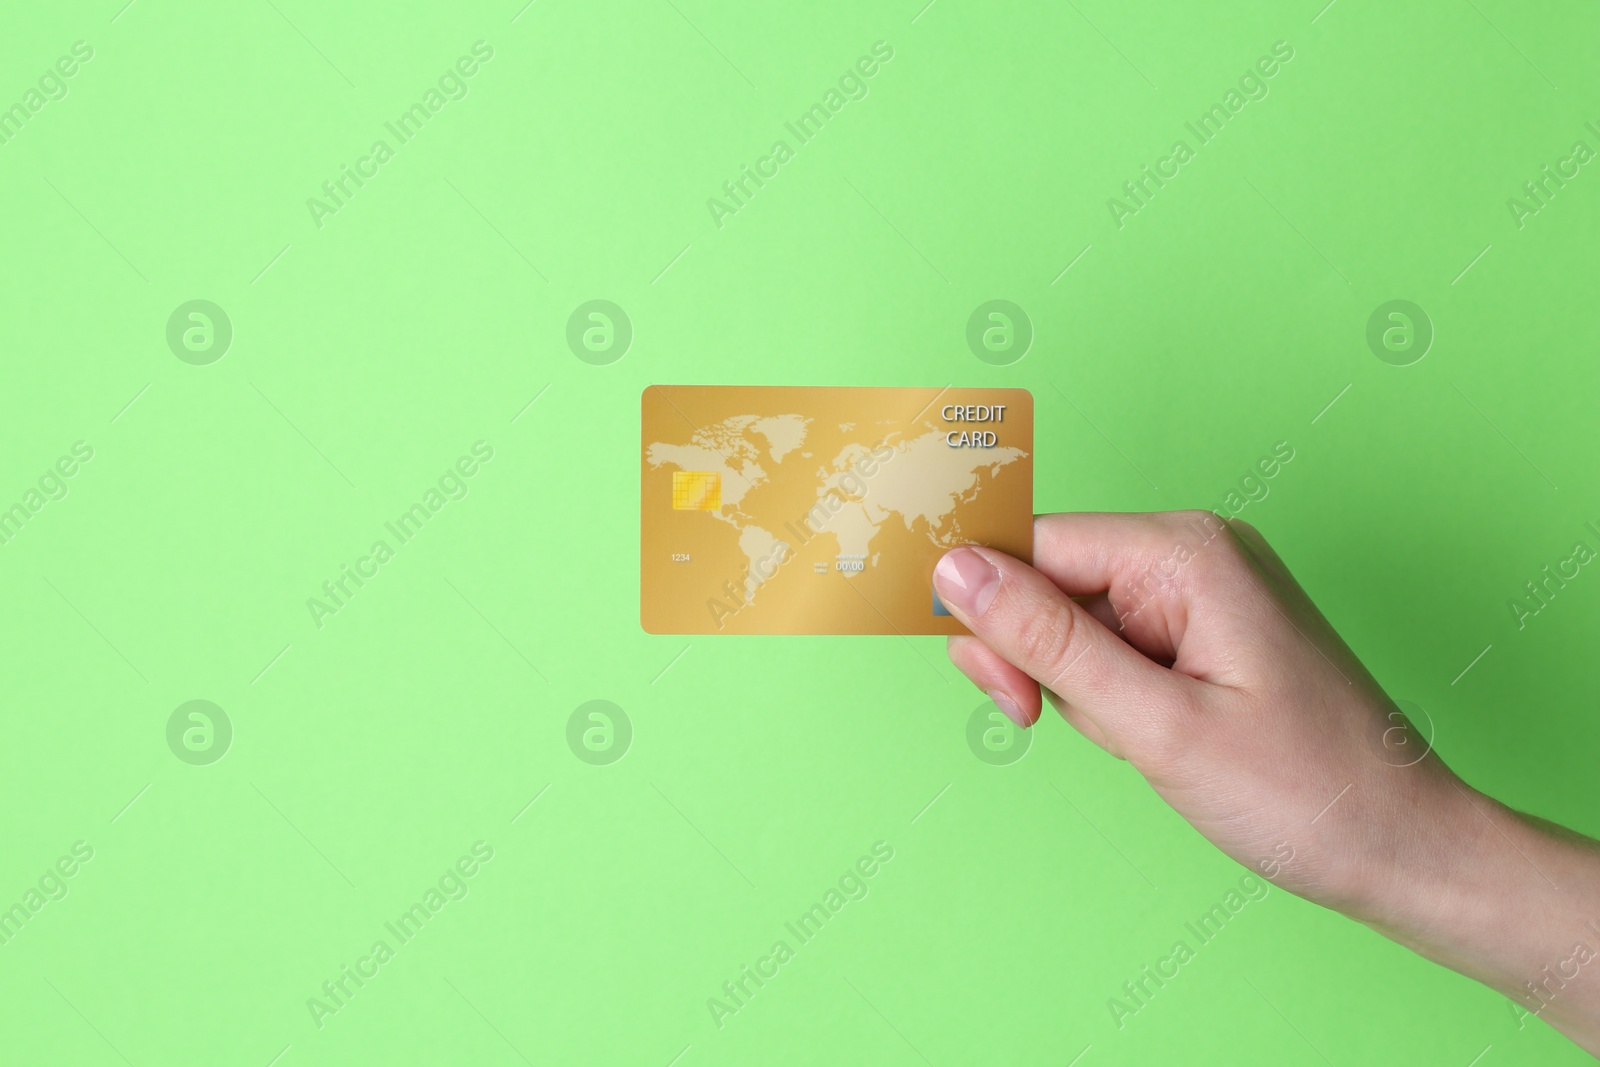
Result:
{"points": [[369, 354]]}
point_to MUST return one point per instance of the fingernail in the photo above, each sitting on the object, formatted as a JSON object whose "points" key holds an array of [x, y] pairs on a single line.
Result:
{"points": [[966, 580], [1006, 705]]}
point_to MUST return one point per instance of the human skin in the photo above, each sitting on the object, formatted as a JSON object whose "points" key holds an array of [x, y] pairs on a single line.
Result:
{"points": [[1183, 645]]}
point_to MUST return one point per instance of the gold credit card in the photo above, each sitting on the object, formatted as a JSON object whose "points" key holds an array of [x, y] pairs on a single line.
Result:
{"points": [[801, 510]]}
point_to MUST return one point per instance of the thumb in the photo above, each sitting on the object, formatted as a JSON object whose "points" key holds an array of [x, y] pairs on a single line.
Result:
{"points": [[1024, 618]]}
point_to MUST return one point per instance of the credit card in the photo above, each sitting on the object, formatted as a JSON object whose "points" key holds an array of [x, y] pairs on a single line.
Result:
{"points": [[823, 510]]}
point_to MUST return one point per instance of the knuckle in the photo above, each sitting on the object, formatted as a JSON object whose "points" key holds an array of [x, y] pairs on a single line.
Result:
{"points": [[1188, 518], [1188, 515], [1220, 553], [1046, 635]]}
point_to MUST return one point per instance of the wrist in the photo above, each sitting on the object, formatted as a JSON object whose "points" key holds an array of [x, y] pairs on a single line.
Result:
{"points": [[1506, 899], [1429, 855]]}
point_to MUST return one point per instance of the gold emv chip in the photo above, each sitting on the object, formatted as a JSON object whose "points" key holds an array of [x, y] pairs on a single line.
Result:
{"points": [[696, 491]]}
